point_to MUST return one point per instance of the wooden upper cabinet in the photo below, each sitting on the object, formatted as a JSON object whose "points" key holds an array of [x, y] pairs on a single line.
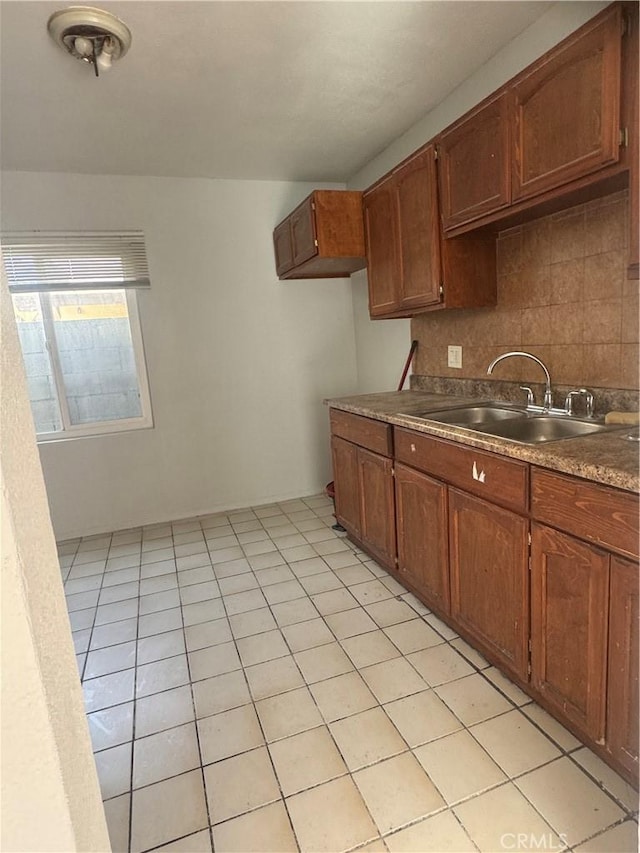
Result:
{"points": [[322, 238], [474, 164], [382, 246], [566, 110], [303, 232], [569, 619], [283, 247], [402, 235], [419, 231], [402, 231], [409, 267], [623, 710]]}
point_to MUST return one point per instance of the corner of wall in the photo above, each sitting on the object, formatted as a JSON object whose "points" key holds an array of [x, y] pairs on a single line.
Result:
{"points": [[53, 800]]}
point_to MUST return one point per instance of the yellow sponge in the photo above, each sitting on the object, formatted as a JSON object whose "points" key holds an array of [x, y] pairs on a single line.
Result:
{"points": [[631, 418]]}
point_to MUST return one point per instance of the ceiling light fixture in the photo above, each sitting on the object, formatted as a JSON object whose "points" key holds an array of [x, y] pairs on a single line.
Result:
{"points": [[91, 35]]}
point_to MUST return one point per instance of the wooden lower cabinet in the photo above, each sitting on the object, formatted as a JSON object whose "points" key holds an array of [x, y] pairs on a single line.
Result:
{"points": [[346, 484], [550, 596], [623, 713], [569, 622], [421, 519], [364, 498], [377, 513], [488, 564]]}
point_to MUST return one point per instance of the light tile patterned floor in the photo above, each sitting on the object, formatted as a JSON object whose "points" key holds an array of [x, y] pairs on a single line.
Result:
{"points": [[256, 683]]}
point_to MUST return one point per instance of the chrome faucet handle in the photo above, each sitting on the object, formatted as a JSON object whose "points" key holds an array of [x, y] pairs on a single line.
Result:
{"points": [[588, 397], [568, 401], [530, 398], [579, 392]]}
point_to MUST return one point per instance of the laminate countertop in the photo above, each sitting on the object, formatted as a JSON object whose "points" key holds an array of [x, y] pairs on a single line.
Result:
{"points": [[605, 457]]}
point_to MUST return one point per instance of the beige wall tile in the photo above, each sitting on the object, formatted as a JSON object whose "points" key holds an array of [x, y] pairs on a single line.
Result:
{"points": [[536, 326], [566, 322], [536, 243], [536, 284], [602, 364], [630, 287], [568, 235], [606, 226], [603, 323], [603, 275], [561, 280], [567, 281], [629, 365], [510, 251], [566, 364], [630, 320], [511, 294]]}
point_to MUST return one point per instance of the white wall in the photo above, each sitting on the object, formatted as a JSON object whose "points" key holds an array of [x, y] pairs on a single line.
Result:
{"points": [[382, 345], [238, 362], [50, 794]]}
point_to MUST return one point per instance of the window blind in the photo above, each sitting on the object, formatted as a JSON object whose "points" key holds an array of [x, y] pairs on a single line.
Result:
{"points": [[39, 261]]}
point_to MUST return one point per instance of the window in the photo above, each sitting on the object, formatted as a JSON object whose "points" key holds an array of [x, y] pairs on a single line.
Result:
{"points": [[74, 299]]}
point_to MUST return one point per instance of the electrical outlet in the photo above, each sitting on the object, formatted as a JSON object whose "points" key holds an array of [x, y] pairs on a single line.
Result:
{"points": [[454, 356]]}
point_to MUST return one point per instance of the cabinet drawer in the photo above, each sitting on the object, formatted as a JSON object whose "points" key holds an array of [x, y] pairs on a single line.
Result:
{"points": [[600, 514], [503, 481], [374, 435]]}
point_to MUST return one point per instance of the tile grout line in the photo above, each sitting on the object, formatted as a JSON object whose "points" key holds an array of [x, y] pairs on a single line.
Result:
{"points": [[193, 705], [135, 706]]}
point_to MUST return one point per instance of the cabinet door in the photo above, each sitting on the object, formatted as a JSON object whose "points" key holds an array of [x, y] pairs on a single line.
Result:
{"points": [[283, 247], [346, 484], [377, 509], [567, 111], [569, 615], [303, 232], [382, 245], [421, 521], [623, 712], [419, 231], [474, 165], [488, 549]]}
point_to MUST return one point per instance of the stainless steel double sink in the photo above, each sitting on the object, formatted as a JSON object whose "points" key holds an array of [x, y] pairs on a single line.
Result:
{"points": [[517, 424]]}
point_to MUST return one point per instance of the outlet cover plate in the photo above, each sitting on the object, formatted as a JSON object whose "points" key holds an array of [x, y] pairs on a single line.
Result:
{"points": [[454, 356]]}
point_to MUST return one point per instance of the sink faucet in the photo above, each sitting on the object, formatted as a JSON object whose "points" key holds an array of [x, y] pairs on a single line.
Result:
{"points": [[548, 399]]}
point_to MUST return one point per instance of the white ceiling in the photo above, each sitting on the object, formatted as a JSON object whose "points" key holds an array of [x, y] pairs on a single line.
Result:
{"points": [[257, 90]]}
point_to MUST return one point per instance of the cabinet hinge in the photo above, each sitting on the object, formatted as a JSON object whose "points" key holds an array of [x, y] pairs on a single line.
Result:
{"points": [[529, 669], [435, 153], [441, 291], [313, 205], [529, 645], [315, 243], [393, 471], [395, 560], [624, 137], [529, 538]]}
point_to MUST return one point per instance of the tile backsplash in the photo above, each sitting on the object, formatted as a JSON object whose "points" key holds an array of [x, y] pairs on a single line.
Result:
{"points": [[563, 295]]}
